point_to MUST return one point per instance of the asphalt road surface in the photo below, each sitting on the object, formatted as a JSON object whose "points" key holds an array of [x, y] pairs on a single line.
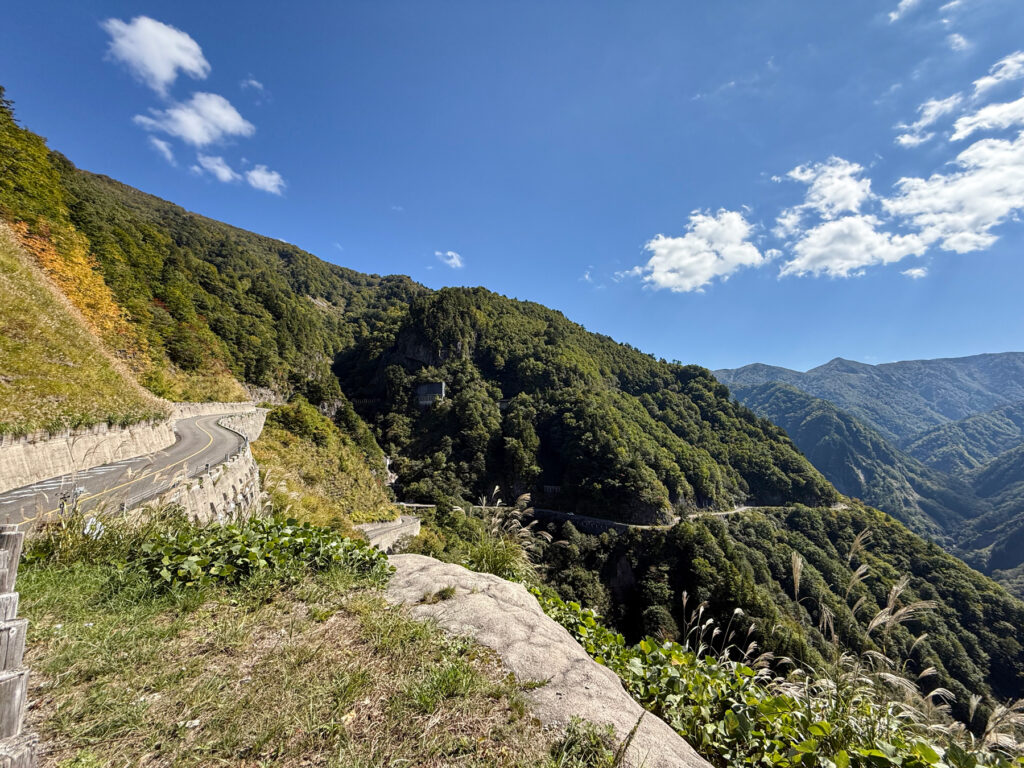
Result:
{"points": [[201, 441]]}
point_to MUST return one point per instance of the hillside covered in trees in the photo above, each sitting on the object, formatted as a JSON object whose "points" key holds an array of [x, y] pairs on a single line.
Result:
{"points": [[533, 399], [960, 481], [466, 390]]}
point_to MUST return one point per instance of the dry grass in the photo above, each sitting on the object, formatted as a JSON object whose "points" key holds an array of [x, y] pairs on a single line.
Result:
{"points": [[324, 486], [323, 674], [54, 373]]}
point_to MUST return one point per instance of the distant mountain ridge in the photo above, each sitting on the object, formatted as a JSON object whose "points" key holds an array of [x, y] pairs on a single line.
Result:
{"points": [[901, 400], [959, 480], [860, 462]]}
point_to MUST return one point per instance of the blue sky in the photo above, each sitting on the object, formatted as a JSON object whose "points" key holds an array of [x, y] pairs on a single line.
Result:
{"points": [[718, 183]]}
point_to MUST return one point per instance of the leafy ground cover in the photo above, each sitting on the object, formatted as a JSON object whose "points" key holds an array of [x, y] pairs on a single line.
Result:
{"points": [[280, 652]]}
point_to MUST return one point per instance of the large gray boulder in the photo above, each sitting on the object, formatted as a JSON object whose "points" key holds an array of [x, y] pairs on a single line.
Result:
{"points": [[505, 617]]}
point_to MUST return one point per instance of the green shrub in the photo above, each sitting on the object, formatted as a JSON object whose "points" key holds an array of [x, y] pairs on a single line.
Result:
{"points": [[233, 552], [734, 714]]}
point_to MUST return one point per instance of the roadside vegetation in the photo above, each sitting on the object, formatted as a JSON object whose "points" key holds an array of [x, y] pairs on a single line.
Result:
{"points": [[54, 374], [324, 474], [260, 642], [734, 700]]}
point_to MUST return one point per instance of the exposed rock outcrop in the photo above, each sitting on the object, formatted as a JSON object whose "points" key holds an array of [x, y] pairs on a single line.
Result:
{"points": [[505, 617]]}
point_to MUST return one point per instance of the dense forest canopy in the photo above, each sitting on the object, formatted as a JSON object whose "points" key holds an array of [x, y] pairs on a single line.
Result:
{"points": [[537, 402]]}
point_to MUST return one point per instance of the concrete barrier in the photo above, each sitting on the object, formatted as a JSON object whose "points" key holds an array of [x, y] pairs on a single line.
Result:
{"points": [[384, 536], [40, 456], [227, 491], [248, 425]]}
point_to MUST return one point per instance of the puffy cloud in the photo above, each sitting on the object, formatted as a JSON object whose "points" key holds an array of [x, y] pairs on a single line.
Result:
{"points": [[901, 10], [1008, 68], [834, 187], [251, 82], [928, 113], [915, 273], [990, 118], [957, 42], [262, 178], [163, 148], [714, 246], [155, 52], [218, 168], [958, 210], [450, 259], [204, 119], [846, 246], [913, 139]]}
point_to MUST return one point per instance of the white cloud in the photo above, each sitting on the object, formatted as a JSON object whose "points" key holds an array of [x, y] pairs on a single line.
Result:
{"points": [[714, 246], [845, 246], [834, 187], [262, 178], [155, 52], [1008, 68], [218, 168], [251, 82], [450, 259], [163, 148], [913, 139], [915, 273], [203, 120], [957, 42], [990, 118], [928, 113], [587, 277], [959, 209], [901, 10]]}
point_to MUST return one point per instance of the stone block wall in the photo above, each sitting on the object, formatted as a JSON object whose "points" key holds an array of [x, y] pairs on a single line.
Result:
{"points": [[228, 490]]}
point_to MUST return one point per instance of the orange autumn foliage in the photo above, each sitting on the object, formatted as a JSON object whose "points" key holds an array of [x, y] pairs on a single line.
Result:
{"points": [[63, 254]]}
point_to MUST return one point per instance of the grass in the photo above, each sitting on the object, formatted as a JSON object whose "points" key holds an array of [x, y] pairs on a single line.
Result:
{"points": [[285, 668], [54, 373], [323, 484], [322, 673]]}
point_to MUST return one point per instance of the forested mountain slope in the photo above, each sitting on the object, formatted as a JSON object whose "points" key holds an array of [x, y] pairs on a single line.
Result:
{"points": [[652, 581], [960, 483], [861, 463], [531, 401], [537, 403], [971, 442], [904, 399]]}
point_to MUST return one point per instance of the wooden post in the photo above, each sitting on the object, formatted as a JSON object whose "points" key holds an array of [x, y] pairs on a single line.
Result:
{"points": [[17, 749]]}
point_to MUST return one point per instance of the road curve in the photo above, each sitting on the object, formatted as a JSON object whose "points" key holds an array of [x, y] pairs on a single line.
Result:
{"points": [[200, 441]]}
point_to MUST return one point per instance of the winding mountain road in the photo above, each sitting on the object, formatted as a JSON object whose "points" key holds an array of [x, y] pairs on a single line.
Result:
{"points": [[201, 441]]}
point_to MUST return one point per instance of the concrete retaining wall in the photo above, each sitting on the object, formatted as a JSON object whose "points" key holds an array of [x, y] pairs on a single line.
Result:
{"points": [[227, 491], [386, 535], [40, 456], [188, 410], [248, 425]]}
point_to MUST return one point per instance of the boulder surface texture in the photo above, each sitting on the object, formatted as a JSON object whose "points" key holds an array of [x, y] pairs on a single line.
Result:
{"points": [[505, 617]]}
